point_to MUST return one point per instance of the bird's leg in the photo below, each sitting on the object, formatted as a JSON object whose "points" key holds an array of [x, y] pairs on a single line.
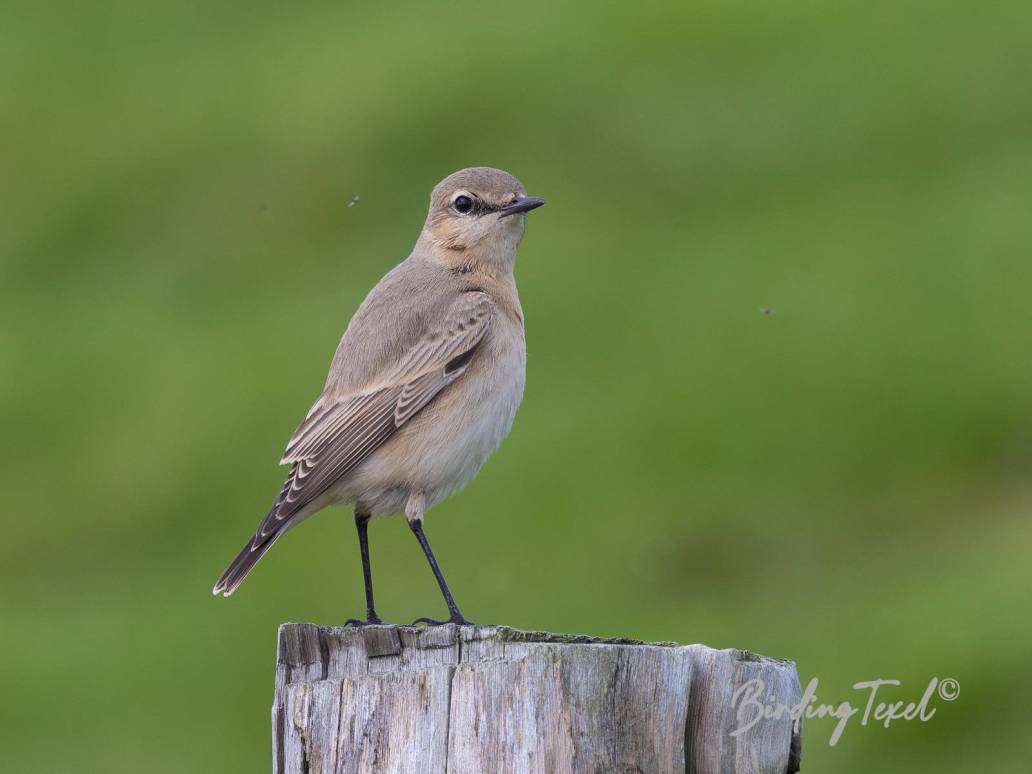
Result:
{"points": [[456, 616], [414, 512], [362, 523]]}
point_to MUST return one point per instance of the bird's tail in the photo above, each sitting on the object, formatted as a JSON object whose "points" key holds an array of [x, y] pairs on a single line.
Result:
{"points": [[268, 532], [253, 550]]}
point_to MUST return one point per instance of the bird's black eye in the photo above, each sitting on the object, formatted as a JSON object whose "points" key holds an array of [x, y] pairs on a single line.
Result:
{"points": [[463, 204]]}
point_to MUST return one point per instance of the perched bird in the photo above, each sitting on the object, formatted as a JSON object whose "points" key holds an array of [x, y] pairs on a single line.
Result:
{"points": [[424, 384]]}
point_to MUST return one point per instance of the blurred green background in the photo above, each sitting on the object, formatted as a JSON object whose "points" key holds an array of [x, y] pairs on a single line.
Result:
{"points": [[842, 480]]}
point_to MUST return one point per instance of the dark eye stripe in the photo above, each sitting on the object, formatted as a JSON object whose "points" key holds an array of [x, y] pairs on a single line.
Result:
{"points": [[477, 207]]}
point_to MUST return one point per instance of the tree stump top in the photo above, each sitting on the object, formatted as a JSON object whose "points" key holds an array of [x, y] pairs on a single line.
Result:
{"points": [[495, 699]]}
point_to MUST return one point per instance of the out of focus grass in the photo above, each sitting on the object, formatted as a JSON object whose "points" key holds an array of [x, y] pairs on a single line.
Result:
{"points": [[843, 481]]}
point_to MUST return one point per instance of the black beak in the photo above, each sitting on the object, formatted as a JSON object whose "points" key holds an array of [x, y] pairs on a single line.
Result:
{"points": [[520, 204]]}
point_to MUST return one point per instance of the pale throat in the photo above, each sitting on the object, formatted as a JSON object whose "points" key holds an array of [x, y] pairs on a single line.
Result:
{"points": [[492, 252]]}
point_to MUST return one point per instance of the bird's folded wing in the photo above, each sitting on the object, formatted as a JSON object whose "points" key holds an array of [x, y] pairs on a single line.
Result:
{"points": [[341, 431]]}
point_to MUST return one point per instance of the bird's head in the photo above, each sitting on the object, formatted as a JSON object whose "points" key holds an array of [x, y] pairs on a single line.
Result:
{"points": [[476, 216]]}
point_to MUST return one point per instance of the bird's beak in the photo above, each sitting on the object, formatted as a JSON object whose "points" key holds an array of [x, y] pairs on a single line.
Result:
{"points": [[522, 204]]}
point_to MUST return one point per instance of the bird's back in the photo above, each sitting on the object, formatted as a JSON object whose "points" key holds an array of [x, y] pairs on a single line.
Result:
{"points": [[411, 299]]}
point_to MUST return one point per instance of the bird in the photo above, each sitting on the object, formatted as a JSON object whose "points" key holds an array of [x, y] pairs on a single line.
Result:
{"points": [[423, 386]]}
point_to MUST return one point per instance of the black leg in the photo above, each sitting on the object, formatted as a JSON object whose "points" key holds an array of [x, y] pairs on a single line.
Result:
{"points": [[456, 615], [362, 523]]}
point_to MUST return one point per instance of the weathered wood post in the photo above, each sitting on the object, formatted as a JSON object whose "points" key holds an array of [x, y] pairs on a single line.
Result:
{"points": [[495, 700]]}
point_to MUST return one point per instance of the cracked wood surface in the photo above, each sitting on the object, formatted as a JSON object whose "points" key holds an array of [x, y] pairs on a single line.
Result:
{"points": [[473, 699]]}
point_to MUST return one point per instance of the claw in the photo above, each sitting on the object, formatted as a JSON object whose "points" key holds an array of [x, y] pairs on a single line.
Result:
{"points": [[458, 620], [373, 620]]}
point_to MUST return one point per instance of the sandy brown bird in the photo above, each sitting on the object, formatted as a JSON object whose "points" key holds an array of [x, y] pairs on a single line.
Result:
{"points": [[424, 384]]}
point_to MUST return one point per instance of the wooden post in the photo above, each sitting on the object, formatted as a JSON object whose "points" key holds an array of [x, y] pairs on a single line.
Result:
{"points": [[494, 700]]}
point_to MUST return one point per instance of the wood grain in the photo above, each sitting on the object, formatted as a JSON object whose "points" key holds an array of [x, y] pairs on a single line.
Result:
{"points": [[470, 699]]}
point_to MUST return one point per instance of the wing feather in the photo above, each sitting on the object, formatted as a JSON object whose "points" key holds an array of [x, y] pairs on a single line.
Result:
{"points": [[341, 431]]}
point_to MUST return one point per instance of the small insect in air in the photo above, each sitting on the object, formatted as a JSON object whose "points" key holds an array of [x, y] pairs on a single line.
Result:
{"points": [[766, 311], [354, 201]]}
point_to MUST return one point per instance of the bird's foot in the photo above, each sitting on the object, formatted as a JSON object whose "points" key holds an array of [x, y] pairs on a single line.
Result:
{"points": [[457, 618], [372, 620]]}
